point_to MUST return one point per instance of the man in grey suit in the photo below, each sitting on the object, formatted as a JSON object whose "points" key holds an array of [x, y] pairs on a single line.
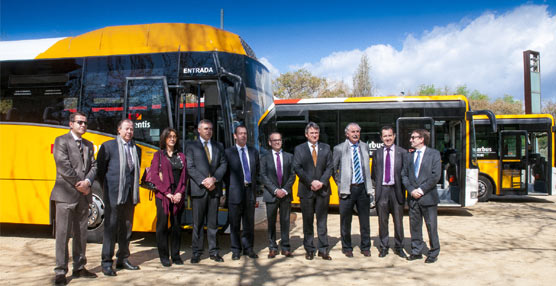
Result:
{"points": [[278, 177], [119, 162], [353, 177], [420, 175], [312, 162], [390, 193], [206, 167], [75, 172]]}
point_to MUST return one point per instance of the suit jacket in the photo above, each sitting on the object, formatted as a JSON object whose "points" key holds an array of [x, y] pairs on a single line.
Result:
{"points": [[307, 172], [429, 174], [270, 179], [71, 168], [377, 173], [109, 170], [234, 179], [199, 168], [343, 171]]}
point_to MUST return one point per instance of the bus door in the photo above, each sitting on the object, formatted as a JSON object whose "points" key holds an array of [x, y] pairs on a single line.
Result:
{"points": [[514, 156]]}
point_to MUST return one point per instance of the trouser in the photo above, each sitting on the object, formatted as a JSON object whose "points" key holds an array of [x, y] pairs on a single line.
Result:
{"points": [[416, 215], [317, 205], [284, 206], [358, 197], [388, 204], [118, 223], [163, 233], [238, 214], [205, 208], [71, 218]]}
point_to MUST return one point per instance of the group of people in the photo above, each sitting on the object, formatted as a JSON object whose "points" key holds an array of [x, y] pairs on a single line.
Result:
{"points": [[207, 167]]}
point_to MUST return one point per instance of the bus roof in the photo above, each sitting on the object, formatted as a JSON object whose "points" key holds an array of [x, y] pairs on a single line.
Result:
{"points": [[371, 99], [547, 117], [130, 39]]}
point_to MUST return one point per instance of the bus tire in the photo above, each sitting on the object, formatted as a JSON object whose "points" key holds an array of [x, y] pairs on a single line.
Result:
{"points": [[95, 228], [484, 189]]}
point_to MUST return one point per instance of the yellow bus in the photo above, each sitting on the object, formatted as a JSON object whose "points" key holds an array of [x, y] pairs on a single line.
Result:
{"points": [[448, 118], [519, 158], [158, 75]]}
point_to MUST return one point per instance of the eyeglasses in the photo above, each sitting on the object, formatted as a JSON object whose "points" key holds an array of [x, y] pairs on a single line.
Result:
{"points": [[415, 137], [276, 140], [79, 122]]}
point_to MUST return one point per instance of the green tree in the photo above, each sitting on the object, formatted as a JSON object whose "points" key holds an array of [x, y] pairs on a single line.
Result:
{"points": [[298, 84], [336, 89], [362, 85], [549, 107]]}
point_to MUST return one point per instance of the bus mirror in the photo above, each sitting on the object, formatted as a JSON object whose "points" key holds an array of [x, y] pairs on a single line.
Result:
{"points": [[489, 114]]}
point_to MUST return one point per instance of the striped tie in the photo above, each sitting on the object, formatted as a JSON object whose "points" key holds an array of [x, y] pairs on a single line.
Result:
{"points": [[356, 166]]}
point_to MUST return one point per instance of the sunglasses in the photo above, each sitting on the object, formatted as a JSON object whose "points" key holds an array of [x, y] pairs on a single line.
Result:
{"points": [[80, 122], [415, 137]]}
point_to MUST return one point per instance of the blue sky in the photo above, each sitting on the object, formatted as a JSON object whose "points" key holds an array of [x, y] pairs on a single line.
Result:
{"points": [[316, 34]]}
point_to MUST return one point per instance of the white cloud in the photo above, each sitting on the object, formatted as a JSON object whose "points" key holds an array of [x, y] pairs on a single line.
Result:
{"points": [[485, 53], [274, 72]]}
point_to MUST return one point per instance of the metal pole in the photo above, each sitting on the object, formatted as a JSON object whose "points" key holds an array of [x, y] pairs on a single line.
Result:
{"points": [[222, 19]]}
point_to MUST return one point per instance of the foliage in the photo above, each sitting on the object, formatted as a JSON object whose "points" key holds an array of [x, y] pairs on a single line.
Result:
{"points": [[362, 85], [298, 84], [549, 107], [336, 89]]}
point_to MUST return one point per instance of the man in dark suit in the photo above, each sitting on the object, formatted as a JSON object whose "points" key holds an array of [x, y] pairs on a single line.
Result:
{"points": [[353, 176], [119, 162], [206, 166], [387, 179], [420, 175], [312, 162], [75, 171], [241, 188], [278, 177]]}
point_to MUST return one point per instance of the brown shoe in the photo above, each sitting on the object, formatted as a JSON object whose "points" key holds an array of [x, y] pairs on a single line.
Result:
{"points": [[348, 253], [272, 253], [287, 253], [366, 253], [309, 255], [325, 256], [83, 273]]}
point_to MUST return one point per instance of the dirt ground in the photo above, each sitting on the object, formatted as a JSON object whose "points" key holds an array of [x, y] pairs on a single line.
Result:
{"points": [[509, 241]]}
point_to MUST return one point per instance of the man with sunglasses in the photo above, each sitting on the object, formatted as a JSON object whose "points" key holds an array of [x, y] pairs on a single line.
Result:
{"points": [[420, 174], [75, 172]]}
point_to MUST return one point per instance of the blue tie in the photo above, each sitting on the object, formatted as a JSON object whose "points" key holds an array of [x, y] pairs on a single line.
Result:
{"points": [[356, 166], [245, 164], [416, 164]]}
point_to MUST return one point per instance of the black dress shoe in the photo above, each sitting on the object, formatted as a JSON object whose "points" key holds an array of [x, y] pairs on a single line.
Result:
{"points": [[366, 253], [348, 253], [325, 255], [414, 257], [252, 255], [431, 259], [216, 258], [195, 259], [236, 256], [400, 253], [83, 273], [165, 262], [383, 252], [177, 261], [60, 279], [125, 264], [309, 255], [108, 271]]}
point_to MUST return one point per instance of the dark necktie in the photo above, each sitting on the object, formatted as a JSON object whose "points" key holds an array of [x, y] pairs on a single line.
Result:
{"points": [[80, 146], [278, 169], [416, 164], [387, 167], [245, 164], [128, 156]]}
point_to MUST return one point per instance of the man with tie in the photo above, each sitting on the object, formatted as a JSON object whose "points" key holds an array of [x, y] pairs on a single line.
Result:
{"points": [[206, 166], [353, 177], [241, 186], [420, 174], [75, 171], [278, 177], [390, 193], [312, 162], [119, 162]]}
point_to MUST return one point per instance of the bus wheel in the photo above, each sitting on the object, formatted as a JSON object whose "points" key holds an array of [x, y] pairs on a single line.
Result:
{"points": [[95, 227], [485, 189]]}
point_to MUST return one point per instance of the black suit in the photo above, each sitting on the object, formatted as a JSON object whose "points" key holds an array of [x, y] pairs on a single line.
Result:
{"points": [[269, 178], [426, 206], [314, 202], [119, 207], [390, 198], [205, 203], [241, 198]]}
